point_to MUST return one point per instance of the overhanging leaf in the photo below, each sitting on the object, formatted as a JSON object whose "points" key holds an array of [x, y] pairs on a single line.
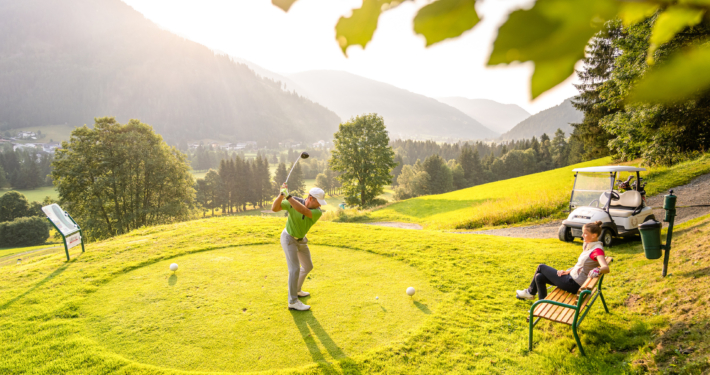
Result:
{"points": [[670, 23], [361, 25], [549, 73], [285, 5], [676, 80], [445, 19], [632, 13], [551, 33]]}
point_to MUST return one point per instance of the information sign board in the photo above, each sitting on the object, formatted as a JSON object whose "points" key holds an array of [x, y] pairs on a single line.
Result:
{"points": [[66, 226], [60, 221], [73, 240]]}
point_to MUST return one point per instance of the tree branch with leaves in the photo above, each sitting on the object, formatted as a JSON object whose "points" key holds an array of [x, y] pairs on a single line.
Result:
{"points": [[553, 34]]}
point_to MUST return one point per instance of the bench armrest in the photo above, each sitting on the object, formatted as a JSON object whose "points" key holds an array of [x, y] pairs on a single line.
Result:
{"points": [[592, 283]]}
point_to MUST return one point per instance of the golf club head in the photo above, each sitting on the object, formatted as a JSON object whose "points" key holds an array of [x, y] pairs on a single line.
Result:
{"points": [[304, 155]]}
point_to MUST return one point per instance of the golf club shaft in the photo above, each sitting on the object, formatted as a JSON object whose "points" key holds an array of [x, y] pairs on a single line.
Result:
{"points": [[294, 166]]}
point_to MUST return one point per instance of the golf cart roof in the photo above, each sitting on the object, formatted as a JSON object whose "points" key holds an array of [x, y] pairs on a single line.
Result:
{"points": [[610, 168]]}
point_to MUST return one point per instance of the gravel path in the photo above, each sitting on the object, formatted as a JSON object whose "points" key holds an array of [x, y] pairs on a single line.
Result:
{"points": [[694, 193]]}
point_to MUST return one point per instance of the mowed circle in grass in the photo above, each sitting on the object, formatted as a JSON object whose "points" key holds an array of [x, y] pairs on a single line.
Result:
{"points": [[226, 310]]}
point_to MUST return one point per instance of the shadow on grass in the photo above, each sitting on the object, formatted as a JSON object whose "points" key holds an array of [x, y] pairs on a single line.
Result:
{"points": [[423, 307], [49, 277], [607, 341], [172, 280], [680, 349], [309, 327], [696, 273]]}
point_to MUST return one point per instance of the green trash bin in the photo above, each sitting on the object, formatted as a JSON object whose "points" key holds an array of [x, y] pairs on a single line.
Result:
{"points": [[651, 238]]}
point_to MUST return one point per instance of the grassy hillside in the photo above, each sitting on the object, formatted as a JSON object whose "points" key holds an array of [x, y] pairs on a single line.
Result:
{"points": [[223, 310], [522, 199]]}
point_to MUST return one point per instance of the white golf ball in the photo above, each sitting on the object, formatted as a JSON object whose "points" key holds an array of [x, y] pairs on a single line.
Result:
{"points": [[174, 267], [410, 291], [377, 297]]}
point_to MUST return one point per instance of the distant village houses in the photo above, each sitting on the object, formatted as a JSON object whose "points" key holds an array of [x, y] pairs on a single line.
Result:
{"points": [[227, 146], [40, 147], [322, 144], [27, 135]]}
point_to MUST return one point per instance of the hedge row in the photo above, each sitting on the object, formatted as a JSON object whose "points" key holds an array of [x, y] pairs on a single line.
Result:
{"points": [[24, 231]]}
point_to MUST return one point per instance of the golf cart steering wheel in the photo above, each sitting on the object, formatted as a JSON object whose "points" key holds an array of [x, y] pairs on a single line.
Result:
{"points": [[615, 196]]}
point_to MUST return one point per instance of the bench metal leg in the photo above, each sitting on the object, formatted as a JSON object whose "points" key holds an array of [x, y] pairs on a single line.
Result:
{"points": [[603, 302], [532, 324], [576, 338]]}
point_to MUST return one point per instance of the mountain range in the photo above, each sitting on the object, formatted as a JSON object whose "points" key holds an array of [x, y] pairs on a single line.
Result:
{"points": [[493, 115], [406, 114], [547, 121], [69, 61]]}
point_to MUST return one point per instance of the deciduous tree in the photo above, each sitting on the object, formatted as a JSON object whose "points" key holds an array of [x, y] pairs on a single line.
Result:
{"points": [[13, 205], [115, 178], [363, 155]]}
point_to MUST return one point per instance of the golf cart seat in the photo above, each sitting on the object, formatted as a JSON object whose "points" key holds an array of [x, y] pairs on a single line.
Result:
{"points": [[628, 202]]}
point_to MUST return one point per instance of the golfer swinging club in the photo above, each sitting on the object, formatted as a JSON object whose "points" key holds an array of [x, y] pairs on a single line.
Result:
{"points": [[302, 214]]}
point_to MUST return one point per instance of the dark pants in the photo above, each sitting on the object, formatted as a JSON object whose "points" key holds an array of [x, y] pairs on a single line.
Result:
{"points": [[547, 275]]}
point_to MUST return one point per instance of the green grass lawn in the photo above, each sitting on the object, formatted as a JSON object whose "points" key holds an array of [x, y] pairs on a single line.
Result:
{"points": [[8, 251], [117, 308], [37, 194], [56, 133], [523, 199]]}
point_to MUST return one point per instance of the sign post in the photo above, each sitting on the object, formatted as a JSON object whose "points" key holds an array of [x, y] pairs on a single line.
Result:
{"points": [[66, 226]]}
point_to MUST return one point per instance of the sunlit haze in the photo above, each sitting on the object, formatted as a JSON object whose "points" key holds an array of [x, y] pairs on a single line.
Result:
{"points": [[303, 39]]}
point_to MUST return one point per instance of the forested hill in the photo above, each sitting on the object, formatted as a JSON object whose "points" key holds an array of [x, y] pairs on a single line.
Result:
{"points": [[69, 61], [493, 115], [547, 121], [406, 114]]}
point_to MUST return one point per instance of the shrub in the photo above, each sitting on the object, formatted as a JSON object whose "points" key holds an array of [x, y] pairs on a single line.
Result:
{"points": [[24, 231], [13, 205]]}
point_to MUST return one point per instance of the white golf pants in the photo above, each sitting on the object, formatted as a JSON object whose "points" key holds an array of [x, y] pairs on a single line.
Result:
{"points": [[298, 259]]}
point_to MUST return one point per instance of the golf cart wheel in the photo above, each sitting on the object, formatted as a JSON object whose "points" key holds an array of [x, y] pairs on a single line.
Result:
{"points": [[606, 237], [565, 234]]}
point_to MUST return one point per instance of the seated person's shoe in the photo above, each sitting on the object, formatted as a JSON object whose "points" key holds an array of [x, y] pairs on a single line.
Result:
{"points": [[303, 294], [298, 306], [523, 294]]}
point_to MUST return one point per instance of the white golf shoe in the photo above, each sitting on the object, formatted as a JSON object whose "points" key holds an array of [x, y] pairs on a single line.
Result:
{"points": [[298, 306], [523, 294], [303, 294]]}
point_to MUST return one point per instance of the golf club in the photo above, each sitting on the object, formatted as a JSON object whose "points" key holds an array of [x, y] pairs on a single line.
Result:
{"points": [[304, 155]]}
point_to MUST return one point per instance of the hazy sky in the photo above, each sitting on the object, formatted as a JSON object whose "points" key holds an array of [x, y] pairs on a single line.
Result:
{"points": [[304, 39]]}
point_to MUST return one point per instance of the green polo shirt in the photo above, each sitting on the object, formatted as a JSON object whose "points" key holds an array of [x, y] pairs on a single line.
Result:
{"points": [[298, 224]]}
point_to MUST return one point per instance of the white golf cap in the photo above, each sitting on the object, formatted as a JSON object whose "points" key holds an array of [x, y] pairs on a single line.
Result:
{"points": [[319, 195]]}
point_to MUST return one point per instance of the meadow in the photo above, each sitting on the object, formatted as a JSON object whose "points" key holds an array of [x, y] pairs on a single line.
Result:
{"points": [[53, 133], [518, 201], [117, 307]]}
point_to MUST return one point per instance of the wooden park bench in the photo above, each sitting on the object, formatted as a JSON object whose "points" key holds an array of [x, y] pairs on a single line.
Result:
{"points": [[568, 308]]}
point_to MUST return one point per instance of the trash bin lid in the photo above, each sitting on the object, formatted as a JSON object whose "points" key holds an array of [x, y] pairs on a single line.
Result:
{"points": [[650, 224]]}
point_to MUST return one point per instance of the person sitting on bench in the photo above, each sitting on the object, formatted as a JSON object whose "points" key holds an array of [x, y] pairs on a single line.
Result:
{"points": [[591, 264]]}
